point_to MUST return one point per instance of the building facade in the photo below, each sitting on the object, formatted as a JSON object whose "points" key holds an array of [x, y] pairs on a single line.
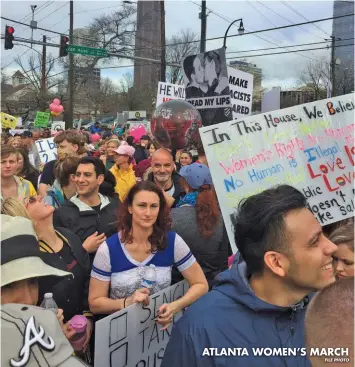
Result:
{"points": [[251, 69], [343, 31], [147, 44], [296, 96]]}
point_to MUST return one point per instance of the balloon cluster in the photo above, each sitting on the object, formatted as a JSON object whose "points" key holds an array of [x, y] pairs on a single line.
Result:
{"points": [[55, 107]]}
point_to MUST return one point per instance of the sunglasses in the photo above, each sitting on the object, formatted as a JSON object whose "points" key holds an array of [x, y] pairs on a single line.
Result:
{"points": [[32, 200]]}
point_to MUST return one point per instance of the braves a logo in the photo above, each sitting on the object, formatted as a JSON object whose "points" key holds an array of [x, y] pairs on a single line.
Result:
{"points": [[32, 336]]}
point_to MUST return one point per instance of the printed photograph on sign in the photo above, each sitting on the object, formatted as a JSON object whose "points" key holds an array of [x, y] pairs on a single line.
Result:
{"points": [[310, 147], [207, 86]]}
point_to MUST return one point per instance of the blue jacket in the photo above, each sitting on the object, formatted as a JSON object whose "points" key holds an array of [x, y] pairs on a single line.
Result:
{"points": [[95, 129], [231, 316]]}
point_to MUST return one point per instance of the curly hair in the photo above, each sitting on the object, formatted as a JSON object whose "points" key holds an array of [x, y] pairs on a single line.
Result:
{"points": [[158, 238], [207, 211]]}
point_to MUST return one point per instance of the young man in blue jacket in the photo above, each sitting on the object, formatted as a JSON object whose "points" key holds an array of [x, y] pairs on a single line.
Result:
{"points": [[261, 301]]}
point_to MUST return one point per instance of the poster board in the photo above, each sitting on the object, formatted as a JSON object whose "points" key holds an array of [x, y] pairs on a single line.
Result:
{"points": [[206, 85], [47, 150], [56, 126], [310, 147], [8, 121], [131, 337], [167, 92], [241, 92], [42, 119]]}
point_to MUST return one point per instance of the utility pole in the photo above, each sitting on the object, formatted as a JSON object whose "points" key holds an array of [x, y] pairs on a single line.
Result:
{"points": [[203, 17], [332, 65], [43, 84], [69, 122], [162, 30]]}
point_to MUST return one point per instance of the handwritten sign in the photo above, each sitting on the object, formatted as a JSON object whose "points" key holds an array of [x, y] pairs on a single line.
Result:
{"points": [[241, 92], [47, 150], [131, 337], [310, 147], [167, 92], [42, 119]]}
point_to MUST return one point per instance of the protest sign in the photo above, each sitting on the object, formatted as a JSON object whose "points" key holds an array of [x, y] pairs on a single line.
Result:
{"points": [[271, 100], [8, 121], [47, 150], [241, 92], [207, 88], [16, 131], [167, 92], [131, 337], [42, 119], [310, 147], [56, 126]]}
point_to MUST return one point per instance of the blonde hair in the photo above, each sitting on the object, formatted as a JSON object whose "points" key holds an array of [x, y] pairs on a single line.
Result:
{"points": [[116, 141], [13, 139], [14, 208], [344, 235]]}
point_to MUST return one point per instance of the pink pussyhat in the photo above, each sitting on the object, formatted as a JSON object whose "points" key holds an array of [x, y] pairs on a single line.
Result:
{"points": [[125, 149]]}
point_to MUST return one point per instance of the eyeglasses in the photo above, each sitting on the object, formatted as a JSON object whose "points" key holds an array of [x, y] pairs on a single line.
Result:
{"points": [[32, 200]]}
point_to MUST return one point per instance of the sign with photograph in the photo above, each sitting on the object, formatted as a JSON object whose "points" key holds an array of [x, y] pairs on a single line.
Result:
{"points": [[131, 337], [241, 92], [207, 86], [168, 91], [310, 147]]}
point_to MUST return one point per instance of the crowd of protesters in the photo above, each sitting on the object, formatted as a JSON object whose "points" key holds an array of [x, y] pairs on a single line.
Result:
{"points": [[85, 226]]}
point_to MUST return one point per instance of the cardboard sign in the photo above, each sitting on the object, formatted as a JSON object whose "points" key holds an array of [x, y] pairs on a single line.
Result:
{"points": [[310, 147], [241, 92], [47, 150], [207, 87], [131, 337], [42, 119], [8, 121], [56, 126], [168, 91]]}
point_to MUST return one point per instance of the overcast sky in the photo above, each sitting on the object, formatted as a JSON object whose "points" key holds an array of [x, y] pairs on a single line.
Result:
{"points": [[279, 70]]}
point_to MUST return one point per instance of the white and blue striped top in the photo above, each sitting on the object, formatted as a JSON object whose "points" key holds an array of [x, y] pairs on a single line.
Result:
{"points": [[114, 264]]}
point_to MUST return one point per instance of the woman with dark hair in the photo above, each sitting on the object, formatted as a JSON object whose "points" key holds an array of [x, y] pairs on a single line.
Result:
{"points": [[143, 240], [107, 188], [25, 169], [198, 218]]}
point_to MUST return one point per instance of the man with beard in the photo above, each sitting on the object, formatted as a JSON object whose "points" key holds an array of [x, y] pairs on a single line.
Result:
{"points": [[164, 176]]}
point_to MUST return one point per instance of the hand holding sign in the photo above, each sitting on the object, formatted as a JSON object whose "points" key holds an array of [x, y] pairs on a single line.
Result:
{"points": [[141, 295], [166, 313]]}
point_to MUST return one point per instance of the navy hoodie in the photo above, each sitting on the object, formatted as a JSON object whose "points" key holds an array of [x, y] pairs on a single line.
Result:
{"points": [[231, 316]]}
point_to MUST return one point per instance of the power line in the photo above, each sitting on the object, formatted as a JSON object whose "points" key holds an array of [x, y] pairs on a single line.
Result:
{"points": [[274, 48], [301, 15], [287, 52], [54, 11]]}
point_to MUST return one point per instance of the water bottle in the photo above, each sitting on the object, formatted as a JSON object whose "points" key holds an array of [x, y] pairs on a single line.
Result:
{"points": [[48, 303], [79, 324], [149, 278]]}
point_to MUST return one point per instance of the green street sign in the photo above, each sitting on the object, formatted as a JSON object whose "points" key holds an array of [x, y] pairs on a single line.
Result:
{"points": [[87, 51], [42, 119]]}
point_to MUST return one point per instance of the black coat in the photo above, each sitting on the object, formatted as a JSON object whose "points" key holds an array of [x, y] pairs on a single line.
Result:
{"points": [[85, 221], [70, 294]]}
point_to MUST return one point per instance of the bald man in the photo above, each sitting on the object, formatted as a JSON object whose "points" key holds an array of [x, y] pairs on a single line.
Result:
{"points": [[329, 323], [164, 176]]}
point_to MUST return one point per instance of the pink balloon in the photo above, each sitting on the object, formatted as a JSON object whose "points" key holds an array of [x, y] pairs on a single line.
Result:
{"points": [[61, 108], [51, 106], [56, 101], [56, 109]]}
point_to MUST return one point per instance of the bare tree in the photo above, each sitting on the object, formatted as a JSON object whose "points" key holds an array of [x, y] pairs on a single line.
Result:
{"points": [[176, 53], [130, 97], [316, 76]]}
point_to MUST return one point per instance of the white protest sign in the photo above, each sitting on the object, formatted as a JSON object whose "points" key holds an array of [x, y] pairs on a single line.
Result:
{"points": [[47, 150], [241, 91], [131, 337], [56, 126], [16, 131], [167, 92], [310, 147], [271, 100]]}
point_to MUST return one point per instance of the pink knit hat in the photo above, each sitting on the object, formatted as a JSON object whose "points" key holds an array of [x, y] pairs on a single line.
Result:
{"points": [[125, 149]]}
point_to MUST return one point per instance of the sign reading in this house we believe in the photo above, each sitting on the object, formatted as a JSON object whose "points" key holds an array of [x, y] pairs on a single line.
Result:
{"points": [[310, 147]]}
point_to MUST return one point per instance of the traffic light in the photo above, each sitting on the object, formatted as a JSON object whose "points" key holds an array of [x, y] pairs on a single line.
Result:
{"points": [[9, 37], [64, 44]]}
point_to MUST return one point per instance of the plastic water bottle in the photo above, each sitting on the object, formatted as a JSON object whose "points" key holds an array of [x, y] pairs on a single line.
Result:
{"points": [[79, 324], [48, 303], [149, 277]]}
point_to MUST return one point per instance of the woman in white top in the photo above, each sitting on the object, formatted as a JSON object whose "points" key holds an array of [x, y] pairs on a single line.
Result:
{"points": [[143, 239]]}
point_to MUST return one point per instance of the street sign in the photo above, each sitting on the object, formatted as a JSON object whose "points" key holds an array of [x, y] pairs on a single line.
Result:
{"points": [[88, 51]]}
